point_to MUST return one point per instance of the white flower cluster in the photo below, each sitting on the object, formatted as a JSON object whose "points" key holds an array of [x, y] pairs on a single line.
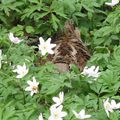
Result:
{"points": [[81, 115], [91, 72], [21, 71], [56, 109], [58, 114], [110, 106], [44, 47], [33, 85]]}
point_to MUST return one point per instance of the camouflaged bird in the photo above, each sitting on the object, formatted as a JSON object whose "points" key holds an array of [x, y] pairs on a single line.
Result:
{"points": [[69, 50]]}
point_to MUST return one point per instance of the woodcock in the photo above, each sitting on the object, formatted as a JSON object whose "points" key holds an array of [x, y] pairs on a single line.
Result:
{"points": [[69, 50]]}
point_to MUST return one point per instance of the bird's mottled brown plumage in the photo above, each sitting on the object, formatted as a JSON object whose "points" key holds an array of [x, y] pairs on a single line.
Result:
{"points": [[70, 49]]}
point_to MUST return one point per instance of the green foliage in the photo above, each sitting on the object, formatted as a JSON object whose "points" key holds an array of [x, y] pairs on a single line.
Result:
{"points": [[100, 30]]}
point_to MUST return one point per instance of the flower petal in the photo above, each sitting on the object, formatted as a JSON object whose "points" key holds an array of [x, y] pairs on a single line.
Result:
{"points": [[52, 45], [19, 76], [42, 42], [29, 82], [75, 113], [43, 52], [51, 52], [113, 103], [87, 116], [82, 112], [31, 93], [56, 99], [63, 114], [28, 89], [48, 41], [11, 36], [40, 117]]}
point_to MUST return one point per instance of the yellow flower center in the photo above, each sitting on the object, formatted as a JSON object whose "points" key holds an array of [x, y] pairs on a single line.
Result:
{"points": [[44, 47], [34, 88], [23, 72], [107, 106], [56, 114]]}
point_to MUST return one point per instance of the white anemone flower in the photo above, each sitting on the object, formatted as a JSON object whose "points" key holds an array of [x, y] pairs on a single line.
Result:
{"points": [[33, 86], [13, 39], [57, 113], [40, 117], [115, 105], [107, 106], [112, 3], [81, 115], [45, 46], [91, 72], [0, 58], [21, 71], [59, 100]]}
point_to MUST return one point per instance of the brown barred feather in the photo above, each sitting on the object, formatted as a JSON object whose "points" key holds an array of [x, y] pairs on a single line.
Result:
{"points": [[70, 49]]}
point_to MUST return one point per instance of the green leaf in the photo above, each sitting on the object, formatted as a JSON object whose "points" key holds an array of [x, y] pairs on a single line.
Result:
{"points": [[54, 21], [29, 29]]}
